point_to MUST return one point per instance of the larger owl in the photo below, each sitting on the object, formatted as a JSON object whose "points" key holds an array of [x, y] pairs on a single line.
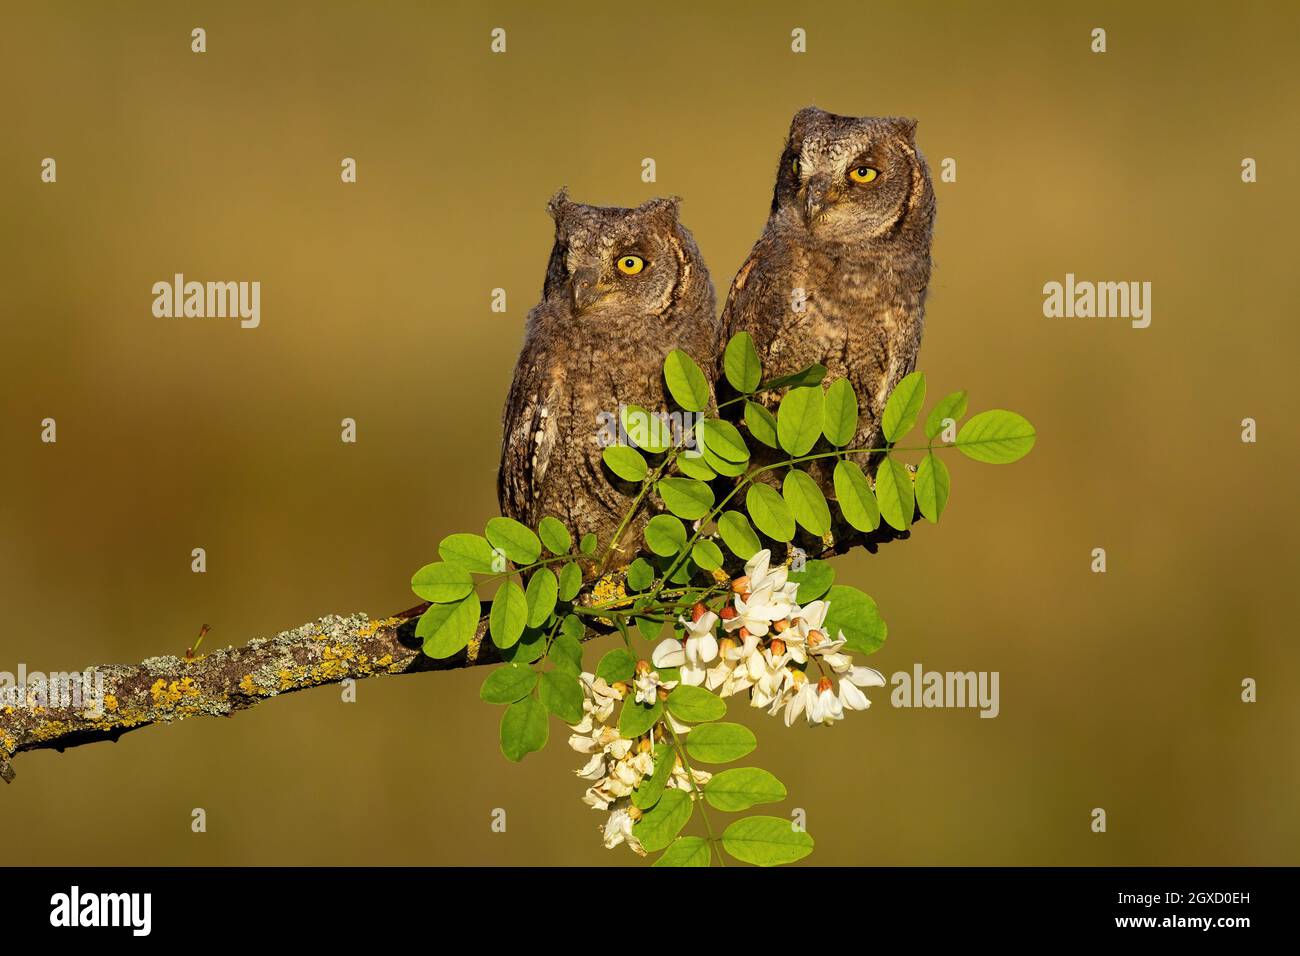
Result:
{"points": [[839, 275], [624, 287]]}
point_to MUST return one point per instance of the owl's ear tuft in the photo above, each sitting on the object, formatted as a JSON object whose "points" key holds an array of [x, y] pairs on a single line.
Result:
{"points": [[906, 127], [665, 208], [559, 203], [804, 117]]}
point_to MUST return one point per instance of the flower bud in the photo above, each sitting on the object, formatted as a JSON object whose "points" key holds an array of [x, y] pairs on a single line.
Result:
{"points": [[815, 638], [823, 685], [727, 613], [634, 813], [778, 646], [726, 645], [741, 584], [799, 677], [663, 693], [644, 746], [698, 612], [781, 625], [744, 633], [619, 687], [643, 667]]}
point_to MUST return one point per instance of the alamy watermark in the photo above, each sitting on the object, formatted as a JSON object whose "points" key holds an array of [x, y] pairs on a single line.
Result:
{"points": [[59, 689], [208, 300], [921, 688]]}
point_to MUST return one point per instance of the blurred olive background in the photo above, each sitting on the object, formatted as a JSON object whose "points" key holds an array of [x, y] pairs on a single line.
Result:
{"points": [[1118, 690]]}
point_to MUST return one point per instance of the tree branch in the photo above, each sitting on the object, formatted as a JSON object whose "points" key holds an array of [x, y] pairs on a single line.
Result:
{"points": [[161, 690]]}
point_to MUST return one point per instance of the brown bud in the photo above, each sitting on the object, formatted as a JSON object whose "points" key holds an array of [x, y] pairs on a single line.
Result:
{"points": [[643, 667], [823, 684], [781, 625], [799, 677], [634, 813], [663, 693], [744, 633], [727, 613], [815, 638], [778, 646], [698, 612], [741, 584], [619, 687], [645, 746]]}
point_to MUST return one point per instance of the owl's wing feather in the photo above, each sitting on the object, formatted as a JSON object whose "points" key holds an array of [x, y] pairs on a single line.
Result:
{"points": [[527, 440]]}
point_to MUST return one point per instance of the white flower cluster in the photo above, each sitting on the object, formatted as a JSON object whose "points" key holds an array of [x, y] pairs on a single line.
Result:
{"points": [[769, 645], [617, 765]]}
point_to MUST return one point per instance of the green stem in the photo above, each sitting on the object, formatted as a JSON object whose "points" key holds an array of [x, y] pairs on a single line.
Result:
{"points": [[699, 795]]}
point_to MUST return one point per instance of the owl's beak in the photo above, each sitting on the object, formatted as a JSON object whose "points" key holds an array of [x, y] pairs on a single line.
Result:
{"points": [[587, 289], [815, 197]]}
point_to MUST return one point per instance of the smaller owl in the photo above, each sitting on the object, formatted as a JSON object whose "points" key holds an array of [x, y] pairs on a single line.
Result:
{"points": [[839, 275], [624, 287]]}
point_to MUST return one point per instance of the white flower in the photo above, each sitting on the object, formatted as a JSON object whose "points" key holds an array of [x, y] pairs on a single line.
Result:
{"points": [[598, 702], [757, 612], [824, 707], [699, 648], [728, 677], [767, 672], [647, 684], [618, 829], [800, 699], [854, 678]]}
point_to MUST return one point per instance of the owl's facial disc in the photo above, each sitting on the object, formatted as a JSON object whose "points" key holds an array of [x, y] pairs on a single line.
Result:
{"points": [[845, 178]]}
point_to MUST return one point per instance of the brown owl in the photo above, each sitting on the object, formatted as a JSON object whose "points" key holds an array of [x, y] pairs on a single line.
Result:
{"points": [[624, 287], [839, 275]]}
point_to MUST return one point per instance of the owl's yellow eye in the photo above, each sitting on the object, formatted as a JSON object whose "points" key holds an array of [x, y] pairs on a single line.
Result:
{"points": [[630, 265], [862, 174], [794, 165]]}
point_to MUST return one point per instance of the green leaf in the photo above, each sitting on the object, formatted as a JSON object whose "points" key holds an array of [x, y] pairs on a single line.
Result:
{"points": [[517, 542], [855, 613], [648, 431], [840, 418], [997, 437], [640, 574], [660, 825], [508, 683], [665, 535], [950, 406], [529, 648], [543, 590], [509, 614], [442, 582], [761, 424], [652, 788], [554, 535], [814, 580], [724, 440], [806, 501], [573, 627], [853, 492], [625, 462], [686, 497], [635, 719], [743, 787], [766, 841], [471, 551], [523, 729], [737, 535], [903, 406], [566, 653], [689, 387], [740, 363], [894, 493], [561, 694], [769, 512], [730, 469], [686, 851], [812, 375], [932, 486], [692, 465], [707, 555], [799, 420], [446, 629], [588, 543], [617, 665], [570, 581], [695, 705], [719, 743]]}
